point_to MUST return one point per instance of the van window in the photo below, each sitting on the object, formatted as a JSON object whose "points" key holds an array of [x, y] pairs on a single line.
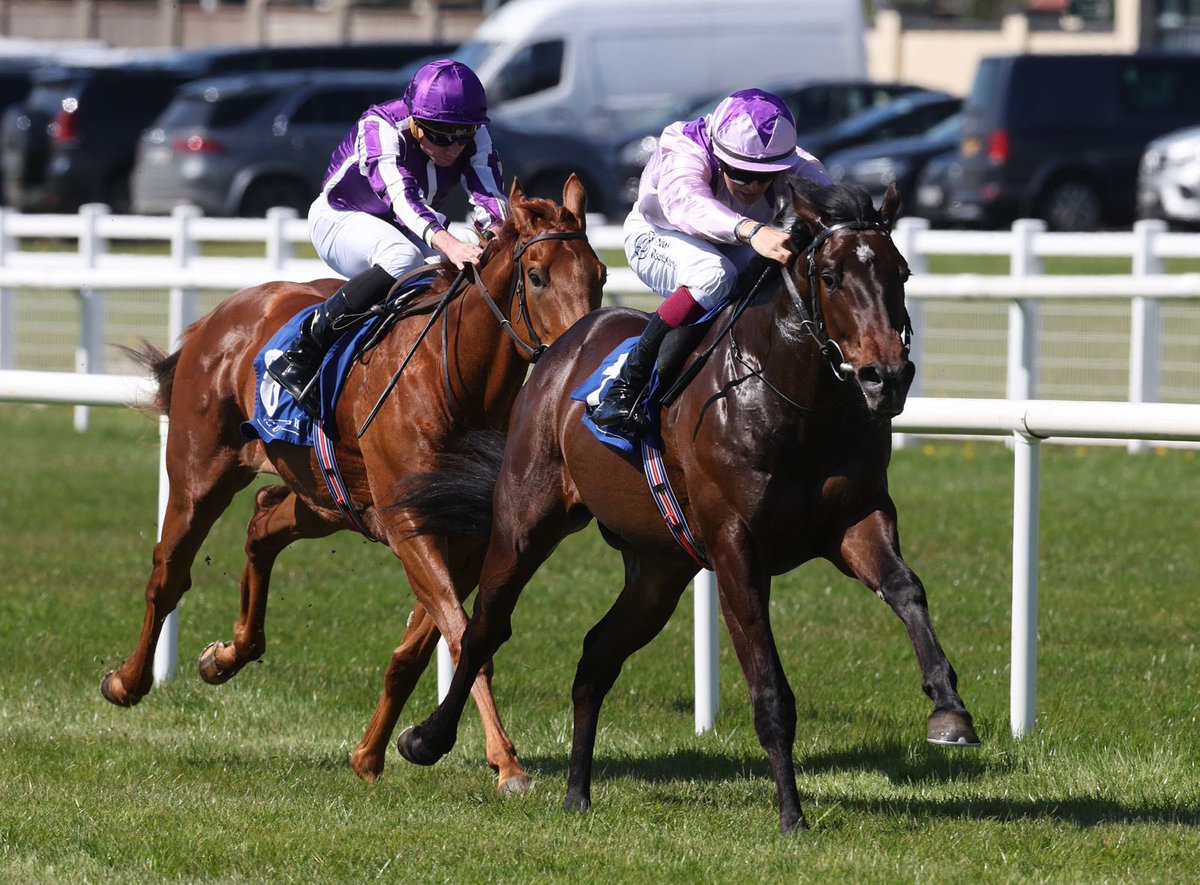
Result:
{"points": [[1054, 94], [202, 110], [535, 68], [1149, 89]]}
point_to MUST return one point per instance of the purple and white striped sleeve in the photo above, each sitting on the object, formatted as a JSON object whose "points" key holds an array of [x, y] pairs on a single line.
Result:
{"points": [[380, 150], [484, 183]]}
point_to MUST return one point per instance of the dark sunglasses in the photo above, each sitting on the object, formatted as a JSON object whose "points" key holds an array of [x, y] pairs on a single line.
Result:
{"points": [[742, 176], [461, 135]]}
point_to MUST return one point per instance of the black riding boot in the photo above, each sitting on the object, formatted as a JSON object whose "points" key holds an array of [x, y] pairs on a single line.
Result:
{"points": [[616, 409], [297, 366]]}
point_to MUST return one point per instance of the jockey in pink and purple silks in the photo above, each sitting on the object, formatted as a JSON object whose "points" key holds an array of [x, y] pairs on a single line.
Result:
{"points": [[377, 216], [699, 219]]}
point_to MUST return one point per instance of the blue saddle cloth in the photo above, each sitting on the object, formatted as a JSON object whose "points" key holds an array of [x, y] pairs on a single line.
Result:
{"points": [[593, 388], [277, 415]]}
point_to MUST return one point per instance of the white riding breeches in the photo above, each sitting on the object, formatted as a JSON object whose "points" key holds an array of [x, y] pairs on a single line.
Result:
{"points": [[350, 242], [666, 259]]}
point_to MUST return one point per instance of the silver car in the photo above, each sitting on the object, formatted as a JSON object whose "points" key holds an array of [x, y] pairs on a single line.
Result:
{"points": [[239, 145], [1169, 178]]}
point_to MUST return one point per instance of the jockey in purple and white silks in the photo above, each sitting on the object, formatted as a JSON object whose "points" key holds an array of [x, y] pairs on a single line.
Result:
{"points": [[377, 216], [701, 215]]}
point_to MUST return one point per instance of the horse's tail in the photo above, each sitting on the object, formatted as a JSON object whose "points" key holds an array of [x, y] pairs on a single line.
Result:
{"points": [[455, 498], [162, 366]]}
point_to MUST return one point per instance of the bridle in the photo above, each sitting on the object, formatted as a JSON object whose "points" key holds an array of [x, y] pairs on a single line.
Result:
{"points": [[812, 320], [516, 289]]}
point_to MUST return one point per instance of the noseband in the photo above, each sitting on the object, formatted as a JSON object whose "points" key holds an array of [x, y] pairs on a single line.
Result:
{"points": [[811, 319], [517, 288]]}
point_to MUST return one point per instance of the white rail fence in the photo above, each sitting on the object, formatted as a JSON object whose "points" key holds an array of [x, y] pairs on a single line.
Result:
{"points": [[97, 267], [1028, 422]]}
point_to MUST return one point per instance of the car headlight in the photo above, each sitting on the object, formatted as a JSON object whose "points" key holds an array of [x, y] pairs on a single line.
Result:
{"points": [[638, 152]]}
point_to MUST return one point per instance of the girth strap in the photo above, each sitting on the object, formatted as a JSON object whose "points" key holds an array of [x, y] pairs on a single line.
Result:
{"points": [[668, 504], [333, 479]]}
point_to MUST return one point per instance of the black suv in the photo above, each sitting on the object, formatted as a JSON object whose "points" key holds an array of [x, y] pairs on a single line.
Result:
{"points": [[1059, 137], [73, 139]]}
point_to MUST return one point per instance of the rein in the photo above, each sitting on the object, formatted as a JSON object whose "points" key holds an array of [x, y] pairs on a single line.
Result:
{"points": [[516, 287]]}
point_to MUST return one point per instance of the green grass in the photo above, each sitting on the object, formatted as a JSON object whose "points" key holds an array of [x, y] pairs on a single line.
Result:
{"points": [[248, 781]]}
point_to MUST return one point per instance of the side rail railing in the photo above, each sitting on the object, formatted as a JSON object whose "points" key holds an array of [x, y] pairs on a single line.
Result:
{"points": [[98, 264]]}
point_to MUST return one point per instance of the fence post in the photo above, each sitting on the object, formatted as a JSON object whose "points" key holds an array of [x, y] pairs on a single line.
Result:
{"points": [[89, 356], [1023, 666], [279, 247], [1023, 313], [905, 237], [704, 637], [1145, 342], [8, 300], [182, 308]]}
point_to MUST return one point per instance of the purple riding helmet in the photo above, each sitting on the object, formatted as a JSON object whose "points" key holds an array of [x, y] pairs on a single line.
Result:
{"points": [[753, 130], [446, 91]]}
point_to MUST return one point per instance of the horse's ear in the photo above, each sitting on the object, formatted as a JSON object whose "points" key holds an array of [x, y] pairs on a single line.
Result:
{"points": [[806, 212], [575, 199], [518, 206], [890, 207]]}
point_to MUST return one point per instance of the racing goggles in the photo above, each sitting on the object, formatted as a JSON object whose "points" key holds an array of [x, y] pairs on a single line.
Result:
{"points": [[445, 136], [745, 176]]}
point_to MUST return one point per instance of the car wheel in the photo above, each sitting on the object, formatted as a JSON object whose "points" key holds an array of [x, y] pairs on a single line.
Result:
{"points": [[266, 193], [1071, 205]]}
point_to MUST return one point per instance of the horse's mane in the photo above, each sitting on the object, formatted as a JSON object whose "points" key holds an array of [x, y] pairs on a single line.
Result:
{"points": [[505, 243], [832, 203]]}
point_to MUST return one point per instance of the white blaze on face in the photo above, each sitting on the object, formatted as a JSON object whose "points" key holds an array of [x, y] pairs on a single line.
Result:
{"points": [[865, 253]]}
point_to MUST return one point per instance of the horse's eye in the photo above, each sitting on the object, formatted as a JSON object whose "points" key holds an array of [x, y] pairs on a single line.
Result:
{"points": [[536, 278], [829, 279]]}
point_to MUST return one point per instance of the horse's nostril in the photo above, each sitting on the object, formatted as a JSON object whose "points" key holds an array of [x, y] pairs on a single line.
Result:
{"points": [[869, 375]]}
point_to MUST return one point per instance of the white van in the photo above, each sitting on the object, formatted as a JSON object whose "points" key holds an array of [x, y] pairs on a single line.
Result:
{"points": [[598, 67]]}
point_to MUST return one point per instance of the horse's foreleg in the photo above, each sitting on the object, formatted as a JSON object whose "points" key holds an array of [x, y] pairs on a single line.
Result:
{"points": [[430, 574], [651, 593], [870, 550], [744, 591], [279, 519], [193, 505], [505, 574]]}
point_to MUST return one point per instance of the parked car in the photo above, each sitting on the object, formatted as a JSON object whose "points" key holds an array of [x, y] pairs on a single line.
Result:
{"points": [[74, 137], [935, 187], [1059, 137], [876, 165], [814, 105], [1169, 178], [905, 115], [239, 145]]}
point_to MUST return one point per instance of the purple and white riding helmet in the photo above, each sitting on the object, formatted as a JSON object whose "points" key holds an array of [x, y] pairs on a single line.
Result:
{"points": [[753, 130], [447, 91]]}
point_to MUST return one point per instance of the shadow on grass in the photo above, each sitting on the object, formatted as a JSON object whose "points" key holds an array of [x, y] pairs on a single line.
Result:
{"points": [[900, 764]]}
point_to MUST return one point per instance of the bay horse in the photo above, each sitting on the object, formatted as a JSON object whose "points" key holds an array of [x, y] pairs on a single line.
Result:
{"points": [[542, 276], [777, 451]]}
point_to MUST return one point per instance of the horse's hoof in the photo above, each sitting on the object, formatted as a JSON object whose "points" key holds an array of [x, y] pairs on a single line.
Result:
{"points": [[790, 824], [120, 698], [210, 670], [364, 768], [515, 786], [952, 728], [413, 749], [576, 802]]}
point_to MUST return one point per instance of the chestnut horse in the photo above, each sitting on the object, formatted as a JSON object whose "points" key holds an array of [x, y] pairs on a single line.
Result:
{"points": [[777, 451], [543, 276]]}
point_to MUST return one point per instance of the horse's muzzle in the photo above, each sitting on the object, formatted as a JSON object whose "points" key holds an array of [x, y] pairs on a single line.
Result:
{"points": [[886, 387]]}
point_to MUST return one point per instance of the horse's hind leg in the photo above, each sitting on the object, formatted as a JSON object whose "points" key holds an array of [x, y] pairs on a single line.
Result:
{"points": [[870, 551], [651, 592], [195, 502], [279, 519]]}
